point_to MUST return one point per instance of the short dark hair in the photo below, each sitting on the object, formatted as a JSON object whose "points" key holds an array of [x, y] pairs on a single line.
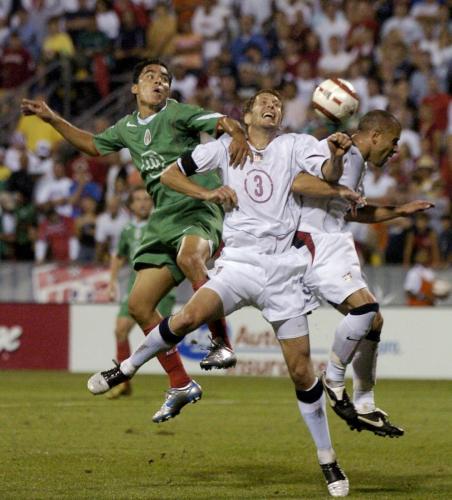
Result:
{"points": [[378, 119], [138, 68], [132, 192], [248, 106]]}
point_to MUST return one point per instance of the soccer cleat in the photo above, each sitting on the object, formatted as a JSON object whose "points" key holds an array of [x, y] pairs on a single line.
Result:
{"points": [[123, 389], [176, 399], [220, 356], [103, 381], [336, 480], [377, 422], [341, 404]]}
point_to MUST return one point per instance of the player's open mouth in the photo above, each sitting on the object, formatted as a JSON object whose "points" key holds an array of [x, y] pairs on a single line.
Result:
{"points": [[268, 114]]}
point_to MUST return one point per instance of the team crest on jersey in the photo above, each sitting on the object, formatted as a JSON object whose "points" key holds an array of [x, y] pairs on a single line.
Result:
{"points": [[347, 277], [147, 137]]}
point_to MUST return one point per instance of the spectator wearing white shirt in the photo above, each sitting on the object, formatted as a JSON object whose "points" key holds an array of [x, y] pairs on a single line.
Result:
{"points": [[261, 10], [209, 21], [337, 60], [107, 20], [331, 21], [56, 192], [109, 225], [292, 8], [183, 82], [409, 29]]}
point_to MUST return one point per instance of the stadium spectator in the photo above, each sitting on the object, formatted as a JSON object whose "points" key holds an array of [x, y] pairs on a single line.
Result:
{"points": [[130, 43], [20, 180], [421, 237], [419, 281], [56, 192], [445, 240], [209, 21], [108, 228], [294, 107], [57, 43], [23, 23], [16, 63], [188, 47], [7, 225], [336, 61], [83, 186], [247, 36], [406, 25], [161, 32], [85, 228], [56, 240], [107, 20], [183, 82], [26, 222], [260, 10]]}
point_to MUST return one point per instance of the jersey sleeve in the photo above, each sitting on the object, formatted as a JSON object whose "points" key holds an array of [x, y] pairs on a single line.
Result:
{"points": [[198, 119], [110, 140], [123, 245], [310, 154], [205, 157]]}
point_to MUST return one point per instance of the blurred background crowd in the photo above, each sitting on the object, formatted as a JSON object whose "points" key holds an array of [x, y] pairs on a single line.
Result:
{"points": [[58, 205]]}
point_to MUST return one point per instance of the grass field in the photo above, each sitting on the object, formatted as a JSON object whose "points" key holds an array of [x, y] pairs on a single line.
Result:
{"points": [[244, 440]]}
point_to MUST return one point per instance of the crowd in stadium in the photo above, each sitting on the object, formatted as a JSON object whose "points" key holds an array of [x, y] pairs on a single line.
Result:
{"points": [[57, 204]]}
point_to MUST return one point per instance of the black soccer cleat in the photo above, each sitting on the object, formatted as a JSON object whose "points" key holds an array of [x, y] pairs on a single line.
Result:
{"points": [[103, 381], [336, 480], [341, 404], [377, 422]]}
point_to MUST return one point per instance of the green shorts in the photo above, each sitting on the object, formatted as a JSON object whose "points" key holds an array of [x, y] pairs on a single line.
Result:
{"points": [[166, 227], [165, 306]]}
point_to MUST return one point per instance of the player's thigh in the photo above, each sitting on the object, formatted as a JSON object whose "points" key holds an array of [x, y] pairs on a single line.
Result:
{"points": [[358, 298], [204, 306], [194, 251], [151, 285]]}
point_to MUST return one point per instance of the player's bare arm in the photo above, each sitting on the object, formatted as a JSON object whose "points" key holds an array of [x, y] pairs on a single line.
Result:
{"points": [[239, 149], [371, 214], [175, 179], [333, 168], [81, 139], [309, 185]]}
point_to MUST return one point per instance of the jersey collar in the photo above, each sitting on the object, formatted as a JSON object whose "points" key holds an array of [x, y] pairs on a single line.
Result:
{"points": [[146, 121]]}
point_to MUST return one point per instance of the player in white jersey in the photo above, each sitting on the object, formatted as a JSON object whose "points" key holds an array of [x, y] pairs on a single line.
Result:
{"points": [[335, 274], [258, 265]]}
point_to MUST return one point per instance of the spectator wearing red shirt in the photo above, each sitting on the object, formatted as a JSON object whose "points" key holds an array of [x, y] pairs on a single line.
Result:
{"points": [[57, 239], [16, 63]]}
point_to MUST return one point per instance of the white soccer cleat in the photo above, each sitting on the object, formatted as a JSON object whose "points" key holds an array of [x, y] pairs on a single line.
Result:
{"points": [[102, 382], [337, 481]]}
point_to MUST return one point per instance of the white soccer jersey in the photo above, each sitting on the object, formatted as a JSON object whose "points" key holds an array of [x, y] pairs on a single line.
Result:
{"points": [[267, 213], [327, 215]]}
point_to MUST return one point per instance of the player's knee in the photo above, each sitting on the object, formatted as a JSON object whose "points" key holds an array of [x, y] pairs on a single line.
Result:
{"points": [[188, 319], [377, 322], [139, 310], [189, 263], [300, 373]]}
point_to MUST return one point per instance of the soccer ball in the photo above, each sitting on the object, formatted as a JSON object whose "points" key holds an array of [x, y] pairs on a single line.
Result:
{"points": [[335, 99], [441, 289]]}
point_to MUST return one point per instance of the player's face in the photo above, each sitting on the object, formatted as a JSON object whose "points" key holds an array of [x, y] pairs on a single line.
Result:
{"points": [[266, 112], [153, 85], [141, 204], [384, 145]]}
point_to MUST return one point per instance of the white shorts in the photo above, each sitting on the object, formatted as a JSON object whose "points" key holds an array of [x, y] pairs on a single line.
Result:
{"points": [[335, 270], [270, 282]]}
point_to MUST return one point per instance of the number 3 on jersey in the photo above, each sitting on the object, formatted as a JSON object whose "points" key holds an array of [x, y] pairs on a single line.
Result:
{"points": [[258, 186]]}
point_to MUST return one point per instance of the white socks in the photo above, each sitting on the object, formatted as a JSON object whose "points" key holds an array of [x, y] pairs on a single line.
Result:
{"points": [[364, 375]]}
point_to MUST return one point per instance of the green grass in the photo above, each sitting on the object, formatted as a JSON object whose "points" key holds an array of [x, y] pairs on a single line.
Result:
{"points": [[244, 440]]}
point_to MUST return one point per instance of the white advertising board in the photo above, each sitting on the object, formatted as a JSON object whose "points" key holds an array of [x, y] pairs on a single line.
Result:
{"points": [[416, 342]]}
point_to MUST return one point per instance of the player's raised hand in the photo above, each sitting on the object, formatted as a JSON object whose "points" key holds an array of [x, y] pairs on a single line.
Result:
{"points": [[38, 108], [414, 206], [223, 195], [239, 151], [339, 143]]}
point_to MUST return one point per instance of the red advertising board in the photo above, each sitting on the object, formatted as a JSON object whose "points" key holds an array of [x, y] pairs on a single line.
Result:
{"points": [[34, 336]]}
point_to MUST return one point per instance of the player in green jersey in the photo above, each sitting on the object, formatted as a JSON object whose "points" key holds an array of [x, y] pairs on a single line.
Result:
{"points": [[140, 205], [182, 233]]}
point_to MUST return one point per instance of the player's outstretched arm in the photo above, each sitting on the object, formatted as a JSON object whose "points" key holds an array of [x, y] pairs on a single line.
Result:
{"points": [[333, 168], [309, 185], [371, 214], [175, 179], [239, 149], [81, 139]]}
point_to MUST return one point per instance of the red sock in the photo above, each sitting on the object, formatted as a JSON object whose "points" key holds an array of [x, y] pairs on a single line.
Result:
{"points": [[218, 327], [122, 350], [171, 362]]}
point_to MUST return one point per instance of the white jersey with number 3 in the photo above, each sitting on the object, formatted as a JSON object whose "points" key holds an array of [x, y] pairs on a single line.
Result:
{"points": [[267, 214]]}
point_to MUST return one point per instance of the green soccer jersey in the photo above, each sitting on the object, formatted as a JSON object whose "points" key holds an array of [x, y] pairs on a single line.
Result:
{"points": [[130, 239], [157, 141]]}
